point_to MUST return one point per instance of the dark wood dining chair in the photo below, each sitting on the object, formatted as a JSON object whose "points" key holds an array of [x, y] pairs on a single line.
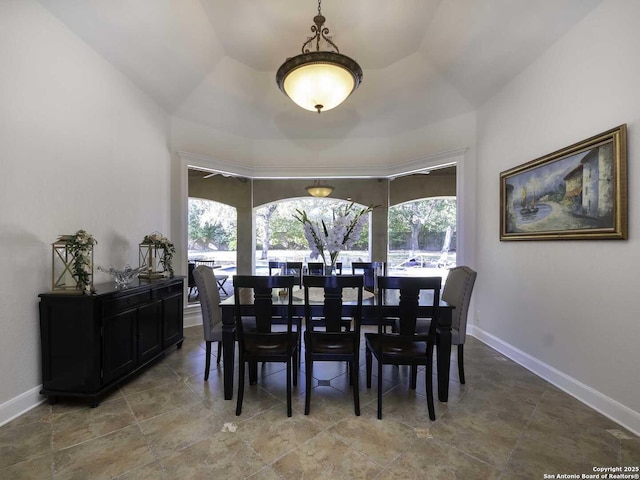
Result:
{"points": [[263, 344], [370, 271], [295, 269], [275, 268], [407, 346], [315, 268], [191, 281], [318, 268], [330, 342]]}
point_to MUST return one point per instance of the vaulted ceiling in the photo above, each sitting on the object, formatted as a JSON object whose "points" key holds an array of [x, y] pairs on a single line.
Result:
{"points": [[213, 62]]}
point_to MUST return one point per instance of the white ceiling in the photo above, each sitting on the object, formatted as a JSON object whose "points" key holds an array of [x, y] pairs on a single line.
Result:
{"points": [[213, 62]]}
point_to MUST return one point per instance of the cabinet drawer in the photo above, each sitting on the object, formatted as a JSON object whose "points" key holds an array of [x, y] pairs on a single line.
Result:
{"points": [[112, 307], [168, 291]]}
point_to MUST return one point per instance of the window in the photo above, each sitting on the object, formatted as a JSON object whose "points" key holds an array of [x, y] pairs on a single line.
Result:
{"points": [[422, 237], [280, 237], [212, 235]]}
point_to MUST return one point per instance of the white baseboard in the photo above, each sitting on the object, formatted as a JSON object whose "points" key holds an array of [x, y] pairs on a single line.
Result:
{"points": [[607, 406], [21, 404]]}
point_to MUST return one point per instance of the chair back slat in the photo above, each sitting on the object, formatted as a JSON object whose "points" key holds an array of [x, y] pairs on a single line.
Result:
{"points": [[333, 286], [262, 288], [410, 289]]}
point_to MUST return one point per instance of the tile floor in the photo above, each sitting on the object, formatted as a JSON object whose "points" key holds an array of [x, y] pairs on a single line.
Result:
{"points": [[167, 423]]}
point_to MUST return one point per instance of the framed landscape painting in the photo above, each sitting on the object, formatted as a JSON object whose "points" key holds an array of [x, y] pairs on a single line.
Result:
{"points": [[579, 192]]}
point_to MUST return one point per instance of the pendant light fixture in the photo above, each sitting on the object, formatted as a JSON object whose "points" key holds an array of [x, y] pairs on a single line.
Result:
{"points": [[319, 80], [319, 190]]}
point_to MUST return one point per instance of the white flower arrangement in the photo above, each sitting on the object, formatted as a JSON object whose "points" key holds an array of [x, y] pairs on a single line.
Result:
{"points": [[328, 241]]}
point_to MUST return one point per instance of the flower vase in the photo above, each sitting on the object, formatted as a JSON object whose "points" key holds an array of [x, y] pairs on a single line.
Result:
{"points": [[331, 268]]}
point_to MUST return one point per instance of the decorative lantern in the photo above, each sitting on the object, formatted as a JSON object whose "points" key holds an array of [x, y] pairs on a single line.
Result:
{"points": [[156, 250], [151, 256], [72, 263]]}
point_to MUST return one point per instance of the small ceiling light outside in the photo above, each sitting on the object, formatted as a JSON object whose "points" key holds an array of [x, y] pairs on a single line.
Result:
{"points": [[319, 80], [319, 190]]}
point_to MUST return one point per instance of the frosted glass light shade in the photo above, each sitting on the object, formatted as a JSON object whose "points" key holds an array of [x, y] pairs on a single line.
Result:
{"points": [[319, 86], [318, 190], [319, 81]]}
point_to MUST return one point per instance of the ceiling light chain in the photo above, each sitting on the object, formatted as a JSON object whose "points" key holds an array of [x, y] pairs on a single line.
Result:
{"points": [[320, 33], [322, 79]]}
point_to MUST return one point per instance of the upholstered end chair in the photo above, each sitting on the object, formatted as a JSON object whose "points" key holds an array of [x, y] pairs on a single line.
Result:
{"points": [[457, 292], [211, 315]]}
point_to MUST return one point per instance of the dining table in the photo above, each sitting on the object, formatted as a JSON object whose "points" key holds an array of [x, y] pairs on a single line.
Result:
{"points": [[372, 311]]}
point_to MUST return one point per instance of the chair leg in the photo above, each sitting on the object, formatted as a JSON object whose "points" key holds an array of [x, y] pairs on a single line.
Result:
{"points": [[308, 363], [253, 372], [219, 353], [429, 382], [207, 364], [369, 361], [289, 387], [460, 363], [240, 386], [379, 388], [295, 368], [414, 377], [356, 387]]}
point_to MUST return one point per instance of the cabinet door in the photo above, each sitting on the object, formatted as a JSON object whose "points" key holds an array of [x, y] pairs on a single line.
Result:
{"points": [[70, 340], [119, 345], [172, 320], [149, 331]]}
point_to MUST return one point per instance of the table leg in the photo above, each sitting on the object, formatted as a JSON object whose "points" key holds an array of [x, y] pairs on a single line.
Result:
{"points": [[228, 348]]}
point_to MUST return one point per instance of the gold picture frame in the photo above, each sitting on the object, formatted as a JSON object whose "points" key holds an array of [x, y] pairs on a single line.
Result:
{"points": [[576, 193]]}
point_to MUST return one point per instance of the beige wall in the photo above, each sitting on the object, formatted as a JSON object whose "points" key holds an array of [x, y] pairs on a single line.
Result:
{"points": [[245, 195], [566, 309], [81, 147], [439, 183]]}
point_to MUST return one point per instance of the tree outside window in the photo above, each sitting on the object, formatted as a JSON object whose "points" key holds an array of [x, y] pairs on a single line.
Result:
{"points": [[422, 234], [212, 231]]}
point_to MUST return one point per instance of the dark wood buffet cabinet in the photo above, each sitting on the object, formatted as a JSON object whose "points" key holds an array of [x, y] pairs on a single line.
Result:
{"points": [[90, 343]]}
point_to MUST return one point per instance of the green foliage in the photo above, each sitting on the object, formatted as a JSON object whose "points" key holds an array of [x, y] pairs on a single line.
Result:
{"points": [[421, 225], [288, 234], [80, 246], [212, 225]]}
